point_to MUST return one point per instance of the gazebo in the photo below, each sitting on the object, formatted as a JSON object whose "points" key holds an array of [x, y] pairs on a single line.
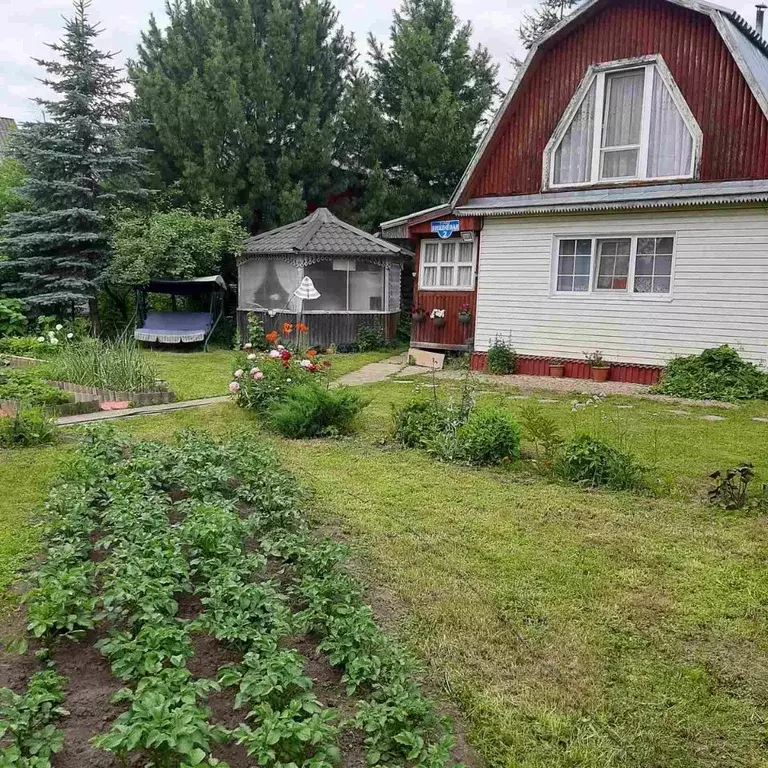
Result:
{"points": [[356, 275]]}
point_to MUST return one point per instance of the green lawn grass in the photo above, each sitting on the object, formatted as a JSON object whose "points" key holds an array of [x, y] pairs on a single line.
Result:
{"points": [[194, 375], [573, 628]]}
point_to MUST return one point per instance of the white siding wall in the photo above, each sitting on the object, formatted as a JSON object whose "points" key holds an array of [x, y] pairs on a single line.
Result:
{"points": [[719, 293]]}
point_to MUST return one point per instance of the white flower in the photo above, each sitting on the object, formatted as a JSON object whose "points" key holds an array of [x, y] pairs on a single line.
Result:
{"points": [[70, 335], [274, 353], [248, 345], [51, 334], [238, 373], [251, 356], [254, 370], [437, 313], [306, 363], [41, 339], [280, 347], [288, 380], [54, 341], [59, 327]]}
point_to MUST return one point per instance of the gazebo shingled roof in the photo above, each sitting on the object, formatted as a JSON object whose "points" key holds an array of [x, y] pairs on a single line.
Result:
{"points": [[320, 233]]}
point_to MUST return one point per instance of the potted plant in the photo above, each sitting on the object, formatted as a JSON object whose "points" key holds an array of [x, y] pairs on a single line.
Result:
{"points": [[465, 314], [418, 313], [438, 317], [600, 369], [557, 368]]}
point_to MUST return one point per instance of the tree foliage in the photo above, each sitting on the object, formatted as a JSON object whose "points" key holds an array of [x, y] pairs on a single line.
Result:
{"points": [[11, 178], [175, 244], [433, 92], [545, 16], [243, 99], [76, 167]]}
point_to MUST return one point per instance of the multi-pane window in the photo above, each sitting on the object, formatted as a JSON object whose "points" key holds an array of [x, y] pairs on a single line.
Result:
{"points": [[653, 265], [614, 264], [574, 265], [447, 264], [627, 125]]}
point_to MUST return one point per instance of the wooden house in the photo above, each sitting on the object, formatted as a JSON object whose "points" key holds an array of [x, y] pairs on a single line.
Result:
{"points": [[617, 201], [356, 275]]}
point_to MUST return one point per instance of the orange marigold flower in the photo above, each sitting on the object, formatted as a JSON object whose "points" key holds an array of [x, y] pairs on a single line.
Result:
{"points": [[301, 328], [287, 329], [311, 352], [271, 337]]}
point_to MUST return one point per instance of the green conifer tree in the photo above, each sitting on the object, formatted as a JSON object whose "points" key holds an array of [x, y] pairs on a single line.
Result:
{"points": [[242, 98], [434, 92], [77, 170]]}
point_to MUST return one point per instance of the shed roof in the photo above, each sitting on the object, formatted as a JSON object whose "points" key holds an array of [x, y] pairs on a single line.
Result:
{"points": [[7, 124], [320, 233]]}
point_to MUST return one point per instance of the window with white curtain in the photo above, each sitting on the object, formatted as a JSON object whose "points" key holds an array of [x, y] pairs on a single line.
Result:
{"points": [[626, 265], [627, 123], [447, 265]]}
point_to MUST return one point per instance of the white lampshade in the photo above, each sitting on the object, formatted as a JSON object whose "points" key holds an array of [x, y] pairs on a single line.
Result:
{"points": [[307, 291]]}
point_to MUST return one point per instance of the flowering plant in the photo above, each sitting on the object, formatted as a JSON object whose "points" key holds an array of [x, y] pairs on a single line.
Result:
{"points": [[437, 314], [464, 309], [261, 379]]}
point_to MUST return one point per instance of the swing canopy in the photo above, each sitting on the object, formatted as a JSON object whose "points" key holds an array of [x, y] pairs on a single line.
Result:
{"points": [[181, 327]]}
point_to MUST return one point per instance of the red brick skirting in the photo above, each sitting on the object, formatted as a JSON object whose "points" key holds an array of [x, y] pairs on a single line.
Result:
{"points": [[529, 365]]}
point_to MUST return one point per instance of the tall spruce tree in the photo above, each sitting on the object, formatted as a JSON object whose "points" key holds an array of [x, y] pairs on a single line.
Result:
{"points": [[242, 97], [58, 248], [434, 92]]}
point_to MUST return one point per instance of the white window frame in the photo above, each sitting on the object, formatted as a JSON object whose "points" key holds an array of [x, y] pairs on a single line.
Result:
{"points": [[596, 74], [611, 294], [440, 242]]}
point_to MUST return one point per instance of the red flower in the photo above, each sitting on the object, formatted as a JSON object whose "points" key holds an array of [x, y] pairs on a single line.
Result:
{"points": [[287, 329], [312, 368], [311, 353], [301, 327], [286, 355], [327, 363], [272, 337]]}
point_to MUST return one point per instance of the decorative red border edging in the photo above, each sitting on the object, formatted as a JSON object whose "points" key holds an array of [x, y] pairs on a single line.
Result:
{"points": [[528, 365]]}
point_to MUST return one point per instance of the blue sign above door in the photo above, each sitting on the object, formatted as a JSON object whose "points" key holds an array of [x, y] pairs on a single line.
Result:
{"points": [[445, 229]]}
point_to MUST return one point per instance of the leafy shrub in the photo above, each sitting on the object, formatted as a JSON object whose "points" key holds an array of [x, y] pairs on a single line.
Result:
{"points": [[115, 365], [370, 338], [543, 433], [715, 374], [24, 346], [418, 423], [12, 319], [27, 385], [30, 426], [501, 357], [591, 462], [256, 338], [313, 410], [489, 436]]}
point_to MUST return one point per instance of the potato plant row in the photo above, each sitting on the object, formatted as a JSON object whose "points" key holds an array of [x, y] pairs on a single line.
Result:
{"points": [[137, 527]]}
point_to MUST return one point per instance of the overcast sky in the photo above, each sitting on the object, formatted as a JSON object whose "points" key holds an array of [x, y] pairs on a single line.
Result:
{"points": [[26, 25]]}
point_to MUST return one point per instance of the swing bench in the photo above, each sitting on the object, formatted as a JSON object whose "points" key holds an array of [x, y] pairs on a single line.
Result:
{"points": [[180, 327]]}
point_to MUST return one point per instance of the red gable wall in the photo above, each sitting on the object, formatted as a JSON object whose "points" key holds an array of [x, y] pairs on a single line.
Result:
{"points": [[735, 130]]}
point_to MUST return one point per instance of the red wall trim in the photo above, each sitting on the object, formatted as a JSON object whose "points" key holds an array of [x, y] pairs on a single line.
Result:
{"points": [[735, 131], [528, 365]]}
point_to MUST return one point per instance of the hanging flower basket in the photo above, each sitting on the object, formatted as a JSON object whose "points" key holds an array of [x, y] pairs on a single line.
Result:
{"points": [[465, 314], [438, 317], [418, 314]]}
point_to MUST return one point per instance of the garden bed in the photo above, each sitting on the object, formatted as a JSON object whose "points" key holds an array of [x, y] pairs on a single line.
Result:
{"points": [[12, 407], [82, 393], [234, 632]]}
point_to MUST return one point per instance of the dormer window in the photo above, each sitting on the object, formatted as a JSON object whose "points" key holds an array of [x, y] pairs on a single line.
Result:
{"points": [[627, 122]]}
